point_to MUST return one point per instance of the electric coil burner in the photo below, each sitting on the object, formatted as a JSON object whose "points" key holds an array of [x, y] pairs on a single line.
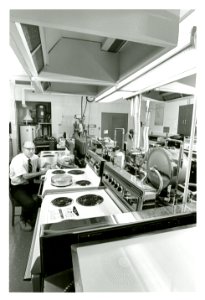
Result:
{"points": [[55, 180], [62, 201], [58, 172], [83, 182], [76, 172], [46, 152], [90, 200]]}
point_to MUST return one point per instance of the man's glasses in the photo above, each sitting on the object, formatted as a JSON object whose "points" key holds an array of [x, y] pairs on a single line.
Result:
{"points": [[29, 149]]}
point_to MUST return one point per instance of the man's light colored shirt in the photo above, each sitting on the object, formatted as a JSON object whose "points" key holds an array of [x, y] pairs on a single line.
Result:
{"points": [[19, 167]]}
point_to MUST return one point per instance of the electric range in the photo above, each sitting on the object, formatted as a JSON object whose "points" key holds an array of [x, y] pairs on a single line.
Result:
{"points": [[86, 205], [77, 205], [82, 179]]}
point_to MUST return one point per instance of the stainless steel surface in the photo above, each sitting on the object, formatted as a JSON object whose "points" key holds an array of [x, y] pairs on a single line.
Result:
{"points": [[95, 162], [130, 191], [166, 162]]}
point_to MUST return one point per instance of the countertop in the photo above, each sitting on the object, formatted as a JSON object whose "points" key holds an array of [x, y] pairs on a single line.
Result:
{"points": [[153, 262]]}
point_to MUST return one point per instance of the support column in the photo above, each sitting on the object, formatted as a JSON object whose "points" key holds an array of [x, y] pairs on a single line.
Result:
{"points": [[136, 113]]}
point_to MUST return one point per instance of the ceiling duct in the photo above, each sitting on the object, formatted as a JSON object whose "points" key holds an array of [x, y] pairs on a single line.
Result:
{"points": [[32, 36], [112, 45]]}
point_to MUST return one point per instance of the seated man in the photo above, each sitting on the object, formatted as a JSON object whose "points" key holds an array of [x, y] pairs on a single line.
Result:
{"points": [[24, 168]]}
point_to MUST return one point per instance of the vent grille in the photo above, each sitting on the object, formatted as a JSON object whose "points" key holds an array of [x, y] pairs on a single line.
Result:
{"points": [[33, 39], [38, 59], [32, 36], [116, 46]]}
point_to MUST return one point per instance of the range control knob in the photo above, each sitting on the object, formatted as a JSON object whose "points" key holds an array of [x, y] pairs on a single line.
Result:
{"points": [[110, 179], [119, 189], [116, 185]]}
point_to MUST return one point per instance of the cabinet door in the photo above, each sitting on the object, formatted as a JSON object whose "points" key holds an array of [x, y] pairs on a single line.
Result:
{"points": [[181, 118], [110, 121], [185, 119], [188, 119]]}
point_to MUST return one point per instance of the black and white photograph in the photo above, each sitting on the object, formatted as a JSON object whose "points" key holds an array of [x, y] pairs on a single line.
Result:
{"points": [[102, 172]]}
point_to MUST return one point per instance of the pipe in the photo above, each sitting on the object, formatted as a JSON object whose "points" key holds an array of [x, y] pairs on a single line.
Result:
{"points": [[136, 113], [160, 180], [145, 175], [115, 137]]}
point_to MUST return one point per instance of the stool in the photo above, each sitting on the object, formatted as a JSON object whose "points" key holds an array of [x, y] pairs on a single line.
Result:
{"points": [[14, 204]]}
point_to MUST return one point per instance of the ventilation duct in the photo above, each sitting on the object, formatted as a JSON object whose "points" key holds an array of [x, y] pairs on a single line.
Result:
{"points": [[112, 45], [32, 36]]}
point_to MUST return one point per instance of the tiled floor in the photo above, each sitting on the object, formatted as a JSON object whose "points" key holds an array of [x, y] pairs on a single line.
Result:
{"points": [[19, 247]]}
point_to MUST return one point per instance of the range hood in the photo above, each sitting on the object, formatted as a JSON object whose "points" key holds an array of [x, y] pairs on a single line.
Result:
{"points": [[86, 52]]}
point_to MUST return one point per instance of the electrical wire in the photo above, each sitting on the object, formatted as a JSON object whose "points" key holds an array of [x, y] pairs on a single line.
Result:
{"points": [[87, 101]]}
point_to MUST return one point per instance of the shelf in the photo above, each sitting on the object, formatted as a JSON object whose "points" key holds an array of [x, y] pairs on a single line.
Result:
{"points": [[44, 123]]}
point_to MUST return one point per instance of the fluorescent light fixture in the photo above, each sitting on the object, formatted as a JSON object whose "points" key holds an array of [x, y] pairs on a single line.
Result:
{"points": [[175, 68], [105, 94], [177, 87], [176, 63], [116, 96]]}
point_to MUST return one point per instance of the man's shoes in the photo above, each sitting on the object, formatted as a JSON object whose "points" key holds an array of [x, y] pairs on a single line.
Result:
{"points": [[25, 226]]}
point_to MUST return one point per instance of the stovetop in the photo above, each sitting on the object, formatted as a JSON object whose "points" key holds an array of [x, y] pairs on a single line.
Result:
{"points": [[62, 206], [81, 179]]}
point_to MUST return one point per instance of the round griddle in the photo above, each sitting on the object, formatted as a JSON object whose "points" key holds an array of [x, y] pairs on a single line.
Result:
{"points": [[89, 200], [62, 201]]}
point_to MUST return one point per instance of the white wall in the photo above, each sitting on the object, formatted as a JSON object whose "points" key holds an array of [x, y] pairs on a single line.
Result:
{"points": [[171, 111], [64, 107]]}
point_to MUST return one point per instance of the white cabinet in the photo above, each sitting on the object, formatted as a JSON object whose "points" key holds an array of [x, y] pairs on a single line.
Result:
{"points": [[27, 133]]}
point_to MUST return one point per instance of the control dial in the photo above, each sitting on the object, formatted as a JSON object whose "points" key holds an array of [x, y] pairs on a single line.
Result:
{"points": [[119, 189]]}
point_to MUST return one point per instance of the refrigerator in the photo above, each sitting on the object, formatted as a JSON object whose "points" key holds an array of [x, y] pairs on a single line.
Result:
{"points": [[27, 133]]}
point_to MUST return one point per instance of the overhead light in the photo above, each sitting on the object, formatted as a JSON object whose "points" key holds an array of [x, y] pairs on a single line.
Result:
{"points": [[116, 96], [105, 94], [180, 62], [177, 87]]}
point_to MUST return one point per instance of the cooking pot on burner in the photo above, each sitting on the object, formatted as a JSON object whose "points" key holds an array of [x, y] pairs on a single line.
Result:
{"points": [[61, 180], [166, 161]]}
